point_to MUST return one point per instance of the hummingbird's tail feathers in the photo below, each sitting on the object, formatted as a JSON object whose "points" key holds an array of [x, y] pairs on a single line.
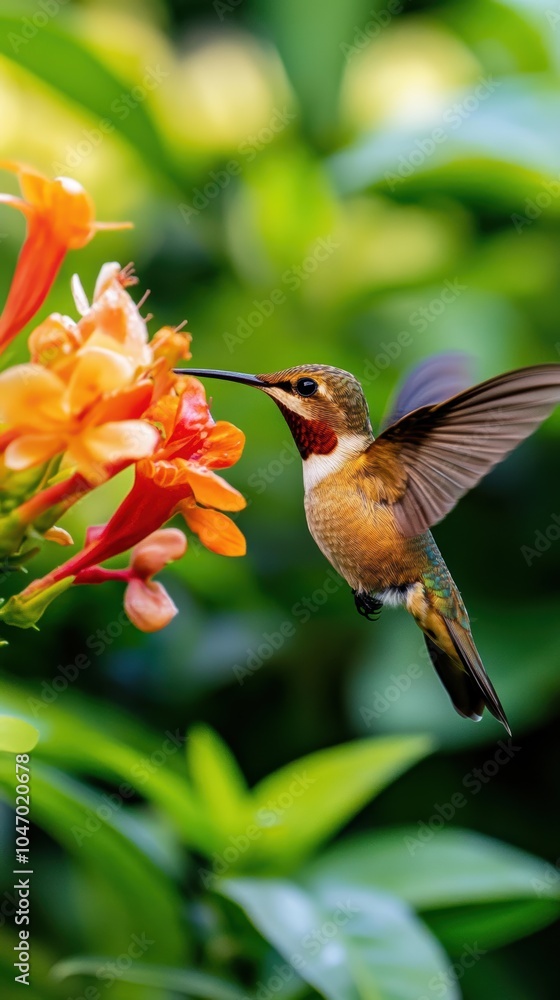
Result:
{"points": [[464, 692], [475, 673]]}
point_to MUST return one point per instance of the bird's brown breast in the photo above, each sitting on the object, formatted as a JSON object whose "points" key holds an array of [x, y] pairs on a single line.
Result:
{"points": [[355, 528]]}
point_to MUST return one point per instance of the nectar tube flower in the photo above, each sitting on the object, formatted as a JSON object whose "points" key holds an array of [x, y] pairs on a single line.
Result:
{"points": [[60, 217], [178, 477]]}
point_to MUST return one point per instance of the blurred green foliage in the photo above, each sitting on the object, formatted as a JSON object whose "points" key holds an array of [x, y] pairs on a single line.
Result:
{"points": [[418, 143]]}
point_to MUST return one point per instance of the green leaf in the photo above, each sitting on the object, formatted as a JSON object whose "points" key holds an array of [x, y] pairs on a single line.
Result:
{"points": [[503, 152], [449, 871], [304, 803], [144, 900], [491, 925], [17, 735], [316, 80], [217, 779], [58, 57], [188, 981], [348, 946], [80, 737]]}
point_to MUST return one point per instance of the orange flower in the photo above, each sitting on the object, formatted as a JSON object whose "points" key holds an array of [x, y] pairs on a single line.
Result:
{"points": [[93, 418], [178, 476], [146, 602], [88, 384], [60, 217]]}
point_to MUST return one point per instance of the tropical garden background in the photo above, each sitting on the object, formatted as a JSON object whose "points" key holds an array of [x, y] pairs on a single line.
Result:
{"points": [[272, 797]]}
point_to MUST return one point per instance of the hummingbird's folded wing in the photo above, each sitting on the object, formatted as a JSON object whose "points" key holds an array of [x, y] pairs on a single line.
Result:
{"points": [[432, 381], [435, 454]]}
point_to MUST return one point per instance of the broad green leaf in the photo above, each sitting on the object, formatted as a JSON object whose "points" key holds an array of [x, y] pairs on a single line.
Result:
{"points": [[522, 29], [309, 800], [506, 150], [59, 58], [184, 981], [17, 735], [449, 871], [81, 740], [330, 24], [144, 900], [492, 924], [217, 779], [348, 945]]}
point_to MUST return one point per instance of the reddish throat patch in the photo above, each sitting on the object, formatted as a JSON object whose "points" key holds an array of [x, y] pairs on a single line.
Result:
{"points": [[312, 437]]}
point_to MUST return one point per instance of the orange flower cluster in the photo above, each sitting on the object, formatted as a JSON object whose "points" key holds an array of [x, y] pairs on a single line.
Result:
{"points": [[98, 395]]}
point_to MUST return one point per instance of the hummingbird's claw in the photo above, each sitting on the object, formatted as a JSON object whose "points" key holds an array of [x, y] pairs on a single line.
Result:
{"points": [[369, 607]]}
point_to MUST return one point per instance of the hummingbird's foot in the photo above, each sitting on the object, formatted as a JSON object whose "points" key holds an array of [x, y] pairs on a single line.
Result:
{"points": [[369, 607]]}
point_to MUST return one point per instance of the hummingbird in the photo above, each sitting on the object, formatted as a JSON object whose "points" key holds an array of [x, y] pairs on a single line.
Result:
{"points": [[370, 502]]}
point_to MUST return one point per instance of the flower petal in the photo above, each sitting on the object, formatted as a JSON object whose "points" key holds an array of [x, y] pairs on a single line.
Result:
{"points": [[32, 449], [215, 530], [30, 396], [38, 264], [115, 315], [192, 422], [72, 212], [58, 535], [97, 451], [156, 551], [97, 372], [210, 489], [148, 605], [60, 217], [54, 342], [223, 446], [128, 404], [171, 344]]}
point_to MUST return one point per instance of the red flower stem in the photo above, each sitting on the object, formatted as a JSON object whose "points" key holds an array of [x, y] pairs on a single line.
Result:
{"points": [[98, 574]]}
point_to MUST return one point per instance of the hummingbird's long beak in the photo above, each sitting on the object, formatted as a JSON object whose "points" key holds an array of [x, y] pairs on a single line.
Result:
{"points": [[228, 376]]}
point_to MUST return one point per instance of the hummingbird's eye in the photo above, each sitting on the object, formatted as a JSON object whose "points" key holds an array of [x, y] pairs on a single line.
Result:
{"points": [[306, 386]]}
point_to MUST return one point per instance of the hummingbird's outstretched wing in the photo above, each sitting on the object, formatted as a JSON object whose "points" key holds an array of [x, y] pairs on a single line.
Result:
{"points": [[434, 455], [432, 381]]}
